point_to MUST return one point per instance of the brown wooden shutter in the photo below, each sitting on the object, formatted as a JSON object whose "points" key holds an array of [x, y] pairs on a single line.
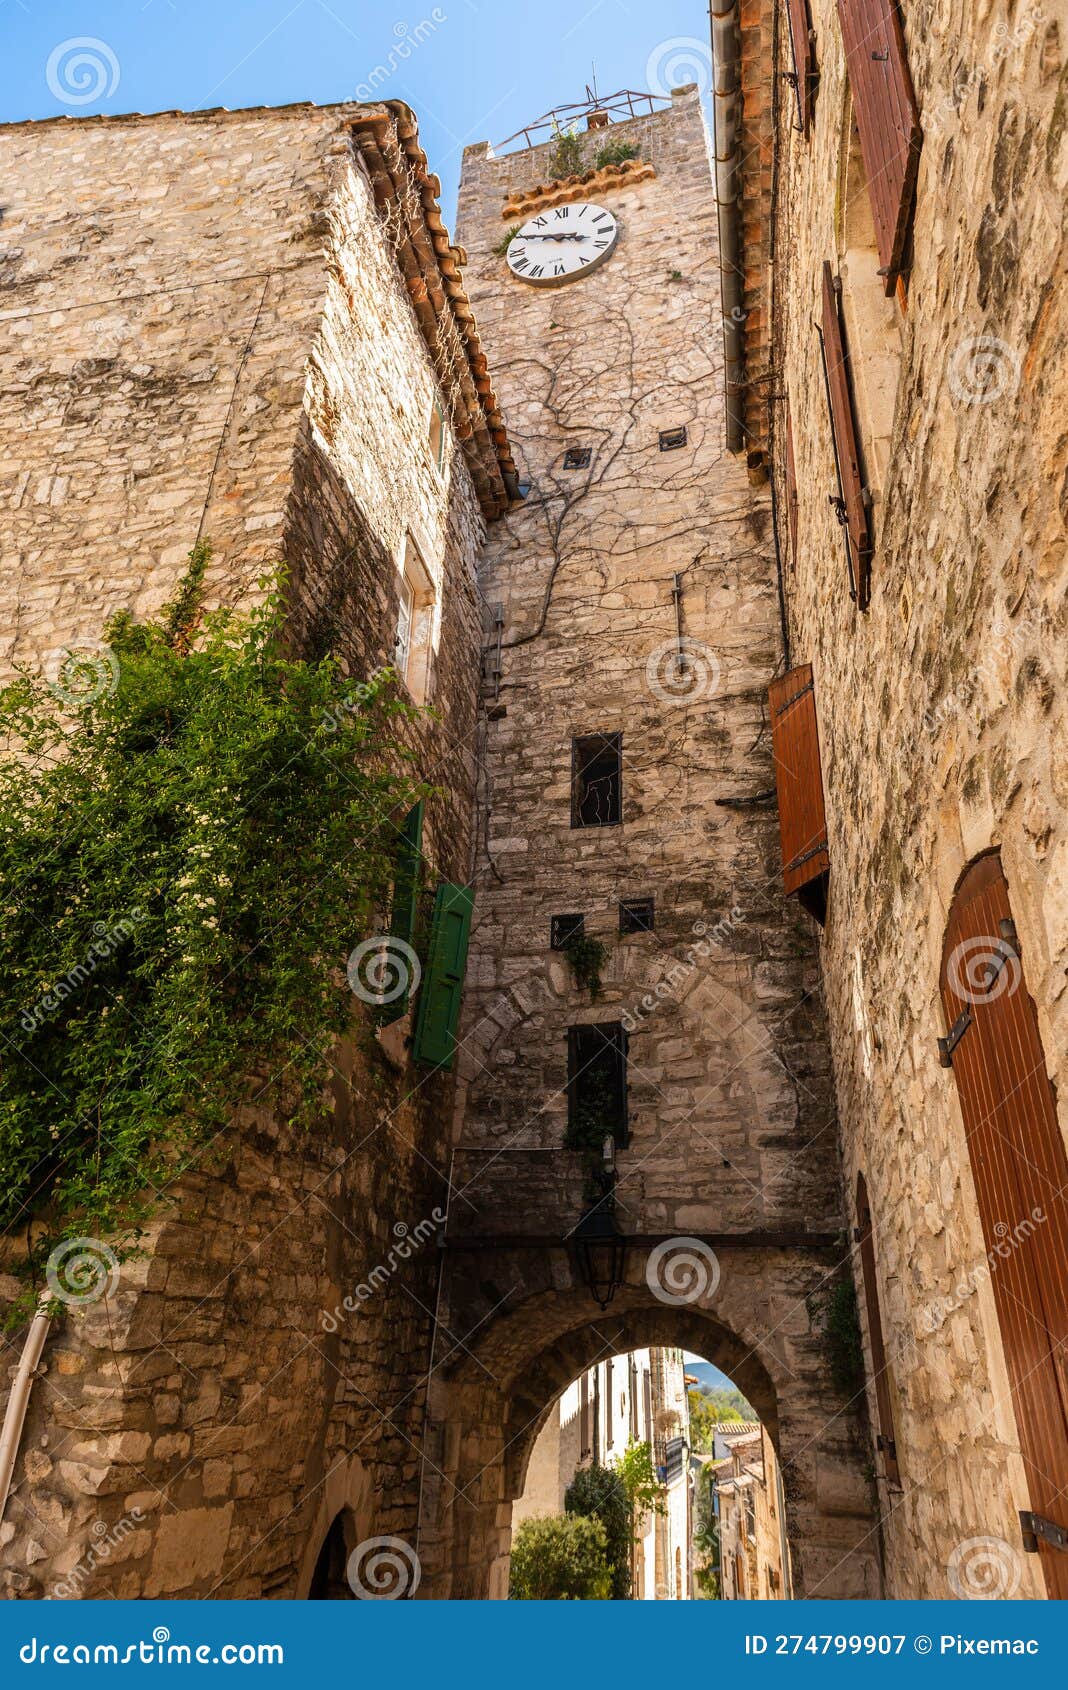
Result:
{"points": [[804, 56], [885, 1439], [799, 781], [1020, 1169], [852, 504], [791, 487], [888, 122]]}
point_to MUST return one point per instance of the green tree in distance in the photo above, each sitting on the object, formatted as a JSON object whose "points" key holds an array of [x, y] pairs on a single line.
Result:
{"points": [[560, 1558]]}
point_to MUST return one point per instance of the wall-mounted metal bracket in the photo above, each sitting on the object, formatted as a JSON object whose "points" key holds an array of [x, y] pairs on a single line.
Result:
{"points": [[1034, 1527]]}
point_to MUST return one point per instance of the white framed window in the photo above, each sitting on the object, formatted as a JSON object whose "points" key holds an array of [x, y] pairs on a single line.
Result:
{"points": [[417, 624]]}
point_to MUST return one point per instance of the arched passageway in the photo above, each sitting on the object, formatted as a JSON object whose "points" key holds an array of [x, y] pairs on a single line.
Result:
{"points": [[538, 1329]]}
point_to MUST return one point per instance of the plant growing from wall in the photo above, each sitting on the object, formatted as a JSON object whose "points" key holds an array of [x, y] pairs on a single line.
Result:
{"points": [[637, 1474], [560, 1558], [195, 831], [586, 957], [614, 152], [506, 240], [565, 155], [599, 1494], [591, 1123], [843, 1345]]}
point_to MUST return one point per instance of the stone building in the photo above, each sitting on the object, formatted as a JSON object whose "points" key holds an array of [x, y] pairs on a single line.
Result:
{"points": [[249, 326], [635, 1398], [754, 1555], [778, 512], [897, 330], [632, 628]]}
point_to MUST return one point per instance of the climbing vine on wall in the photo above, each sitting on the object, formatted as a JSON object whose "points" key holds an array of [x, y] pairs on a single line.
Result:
{"points": [[196, 828]]}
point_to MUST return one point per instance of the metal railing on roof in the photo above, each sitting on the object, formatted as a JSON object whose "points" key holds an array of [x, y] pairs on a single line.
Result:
{"points": [[626, 103]]}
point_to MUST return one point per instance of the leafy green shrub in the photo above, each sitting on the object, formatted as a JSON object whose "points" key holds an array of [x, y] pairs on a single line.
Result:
{"points": [[599, 1493], [565, 157], [194, 833], [561, 1558], [638, 1477], [586, 957], [614, 152], [592, 1120]]}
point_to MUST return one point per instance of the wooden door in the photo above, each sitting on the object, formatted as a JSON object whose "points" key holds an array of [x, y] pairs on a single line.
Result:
{"points": [[1020, 1170]]}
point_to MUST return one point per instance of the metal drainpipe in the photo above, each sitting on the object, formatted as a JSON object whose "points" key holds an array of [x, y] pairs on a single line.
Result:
{"points": [[727, 132], [19, 1400]]}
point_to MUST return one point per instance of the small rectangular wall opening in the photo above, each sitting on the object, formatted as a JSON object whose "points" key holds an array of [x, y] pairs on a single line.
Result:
{"points": [[672, 438], [578, 457], [597, 781], [596, 1084], [564, 928], [636, 915]]}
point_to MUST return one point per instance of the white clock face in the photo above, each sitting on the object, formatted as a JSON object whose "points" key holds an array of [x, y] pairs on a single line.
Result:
{"points": [[562, 243]]}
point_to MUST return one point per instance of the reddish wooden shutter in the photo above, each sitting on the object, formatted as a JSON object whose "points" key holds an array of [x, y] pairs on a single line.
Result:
{"points": [[791, 487], [1020, 1170], [799, 780], [852, 502], [888, 122], [885, 1439], [804, 56]]}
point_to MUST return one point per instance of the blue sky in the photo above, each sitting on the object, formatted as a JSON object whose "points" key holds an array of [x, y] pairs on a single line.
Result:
{"points": [[479, 69]]}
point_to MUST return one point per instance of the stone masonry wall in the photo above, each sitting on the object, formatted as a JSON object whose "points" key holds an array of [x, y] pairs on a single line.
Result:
{"points": [[203, 334], [942, 710], [732, 1122]]}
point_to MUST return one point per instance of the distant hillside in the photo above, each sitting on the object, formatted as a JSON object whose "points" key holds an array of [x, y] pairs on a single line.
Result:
{"points": [[708, 1378]]}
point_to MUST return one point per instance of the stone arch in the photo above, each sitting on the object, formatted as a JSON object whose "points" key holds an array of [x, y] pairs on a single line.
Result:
{"points": [[345, 1497], [531, 1329]]}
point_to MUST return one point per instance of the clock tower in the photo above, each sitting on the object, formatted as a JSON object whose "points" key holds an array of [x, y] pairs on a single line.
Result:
{"points": [[645, 1147]]}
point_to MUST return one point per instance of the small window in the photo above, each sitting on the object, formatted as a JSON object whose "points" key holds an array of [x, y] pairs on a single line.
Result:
{"points": [[578, 457], [597, 781], [405, 618], [564, 928], [413, 646], [436, 436], [672, 438], [596, 1084], [636, 915]]}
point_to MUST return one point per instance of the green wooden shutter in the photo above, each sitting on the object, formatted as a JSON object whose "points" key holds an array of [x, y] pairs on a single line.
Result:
{"points": [[405, 898], [438, 1013]]}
